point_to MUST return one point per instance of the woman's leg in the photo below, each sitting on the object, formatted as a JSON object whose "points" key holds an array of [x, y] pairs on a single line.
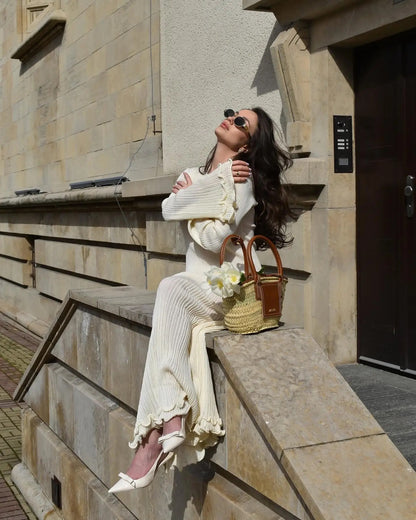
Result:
{"points": [[149, 450], [167, 388], [145, 456]]}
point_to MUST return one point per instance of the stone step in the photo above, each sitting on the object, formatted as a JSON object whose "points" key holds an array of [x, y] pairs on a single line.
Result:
{"points": [[195, 493], [97, 431], [292, 423]]}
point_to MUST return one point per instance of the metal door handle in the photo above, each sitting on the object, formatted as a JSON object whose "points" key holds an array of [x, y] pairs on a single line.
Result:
{"points": [[409, 191]]}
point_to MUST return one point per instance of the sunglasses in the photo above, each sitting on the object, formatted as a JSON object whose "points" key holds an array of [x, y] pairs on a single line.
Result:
{"points": [[239, 121]]}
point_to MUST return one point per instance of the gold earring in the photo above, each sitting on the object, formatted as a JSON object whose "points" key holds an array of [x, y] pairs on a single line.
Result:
{"points": [[243, 149]]}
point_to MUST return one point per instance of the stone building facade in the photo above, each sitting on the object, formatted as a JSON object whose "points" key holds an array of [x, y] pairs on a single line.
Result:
{"points": [[103, 104], [86, 103], [94, 93]]}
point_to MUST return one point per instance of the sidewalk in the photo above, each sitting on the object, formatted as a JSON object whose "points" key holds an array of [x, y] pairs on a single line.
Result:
{"points": [[16, 350]]}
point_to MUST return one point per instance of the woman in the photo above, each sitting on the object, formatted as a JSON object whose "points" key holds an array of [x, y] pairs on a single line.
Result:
{"points": [[177, 413]]}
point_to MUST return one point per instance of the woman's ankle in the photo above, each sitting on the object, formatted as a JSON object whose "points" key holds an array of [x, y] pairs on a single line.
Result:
{"points": [[173, 425], [145, 455]]}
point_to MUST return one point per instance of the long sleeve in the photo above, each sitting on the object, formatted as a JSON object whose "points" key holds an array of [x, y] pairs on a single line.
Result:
{"points": [[210, 233], [210, 196]]}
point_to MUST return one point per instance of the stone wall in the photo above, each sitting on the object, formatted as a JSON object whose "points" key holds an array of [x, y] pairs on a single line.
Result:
{"points": [[77, 108], [299, 444], [79, 85]]}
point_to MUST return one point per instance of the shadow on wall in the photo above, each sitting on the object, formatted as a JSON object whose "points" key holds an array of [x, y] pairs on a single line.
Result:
{"points": [[265, 80], [184, 489], [39, 54]]}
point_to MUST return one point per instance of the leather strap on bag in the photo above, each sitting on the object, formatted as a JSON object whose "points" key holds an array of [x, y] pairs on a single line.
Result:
{"points": [[236, 239], [268, 287]]}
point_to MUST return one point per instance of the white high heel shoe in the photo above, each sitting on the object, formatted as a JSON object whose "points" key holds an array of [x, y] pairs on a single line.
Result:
{"points": [[173, 440], [127, 483]]}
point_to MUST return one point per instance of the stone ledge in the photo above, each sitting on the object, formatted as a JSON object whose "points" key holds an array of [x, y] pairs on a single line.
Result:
{"points": [[30, 322], [33, 494], [203, 493], [150, 188], [47, 29], [61, 198], [304, 172], [318, 428]]}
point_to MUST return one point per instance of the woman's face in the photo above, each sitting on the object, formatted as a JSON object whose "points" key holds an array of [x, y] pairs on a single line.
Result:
{"points": [[234, 136]]}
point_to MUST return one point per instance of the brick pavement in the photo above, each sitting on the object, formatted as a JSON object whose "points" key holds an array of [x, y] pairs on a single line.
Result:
{"points": [[16, 350]]}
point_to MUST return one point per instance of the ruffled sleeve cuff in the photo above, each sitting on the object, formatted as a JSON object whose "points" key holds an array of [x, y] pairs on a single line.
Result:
{"points": [[210, 196]]}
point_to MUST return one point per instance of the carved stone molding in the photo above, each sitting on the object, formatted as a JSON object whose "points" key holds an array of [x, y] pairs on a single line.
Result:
{"points": [[47, 28], [291, 61]]}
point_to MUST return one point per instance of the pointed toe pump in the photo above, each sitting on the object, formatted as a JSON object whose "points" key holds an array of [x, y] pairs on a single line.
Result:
{"points": [[173, 440], [127, 483]]}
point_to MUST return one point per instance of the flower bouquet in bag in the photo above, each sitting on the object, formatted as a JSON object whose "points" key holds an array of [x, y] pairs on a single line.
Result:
{"points": [[252, 301]]}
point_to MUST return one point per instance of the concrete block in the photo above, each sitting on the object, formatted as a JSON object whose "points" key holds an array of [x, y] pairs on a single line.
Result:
{"points": [[113, 299], [120, 433], [91, 409], [296, 302], [110, 264], [26, 300], [74, 490], [158, 268], [29, 447], [83, 494], [84, 23], [343, 271], [128, 43], [108, 351], [226, 500], [33, 494], [294, 383], [56, 284], [245, 454], [140, 123], [102, 505], [38, 396], [117, 131], [165, 237], [104, 162], [82, 225], [132, 99], [15, 271], [296, 256], [47, 463], [17, 247], [369, 479], [148, 161]]}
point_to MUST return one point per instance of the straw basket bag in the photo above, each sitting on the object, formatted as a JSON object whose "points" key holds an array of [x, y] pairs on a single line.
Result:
{"points": [[259, 304]]}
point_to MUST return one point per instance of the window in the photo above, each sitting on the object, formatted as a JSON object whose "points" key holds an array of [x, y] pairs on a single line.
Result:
{"points": [[34, 10]]}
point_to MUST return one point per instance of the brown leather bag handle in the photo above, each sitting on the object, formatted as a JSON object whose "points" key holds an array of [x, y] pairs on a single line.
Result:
{"points": [[274, 251], [236, 239], [257, 277]]}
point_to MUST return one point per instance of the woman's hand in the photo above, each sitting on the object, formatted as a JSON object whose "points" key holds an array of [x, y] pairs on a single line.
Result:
{"points": [[181, 185], [241, 171]]}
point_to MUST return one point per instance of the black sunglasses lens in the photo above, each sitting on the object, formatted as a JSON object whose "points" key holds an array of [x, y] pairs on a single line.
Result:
{"points": [[240, 121], [229, 112]]}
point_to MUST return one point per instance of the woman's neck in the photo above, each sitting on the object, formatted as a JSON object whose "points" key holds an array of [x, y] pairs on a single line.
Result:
{"points": [[221, 155]]}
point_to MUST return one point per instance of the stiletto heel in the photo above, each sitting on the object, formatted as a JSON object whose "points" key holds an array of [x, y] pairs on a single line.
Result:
{"points": [[127, 483], [173, 440]]}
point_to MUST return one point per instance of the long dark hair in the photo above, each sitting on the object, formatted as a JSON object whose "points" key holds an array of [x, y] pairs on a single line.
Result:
{"points": [[268, 161]]}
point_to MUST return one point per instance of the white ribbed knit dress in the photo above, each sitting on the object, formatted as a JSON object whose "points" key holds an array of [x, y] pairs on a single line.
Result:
{"points": [[177, 378]]}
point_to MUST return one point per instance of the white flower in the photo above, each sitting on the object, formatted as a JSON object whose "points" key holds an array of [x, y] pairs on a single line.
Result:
{"points": [[224, 281]]}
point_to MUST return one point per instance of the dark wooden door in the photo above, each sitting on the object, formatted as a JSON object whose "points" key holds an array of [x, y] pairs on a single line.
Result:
{"points": [[385, 131]]}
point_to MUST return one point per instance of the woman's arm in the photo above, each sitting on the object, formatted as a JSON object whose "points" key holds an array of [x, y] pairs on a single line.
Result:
{"points": [[210, 233], [209, 196]]}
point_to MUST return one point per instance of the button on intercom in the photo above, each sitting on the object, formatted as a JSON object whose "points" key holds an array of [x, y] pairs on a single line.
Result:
{"points": [[343, 144]]}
